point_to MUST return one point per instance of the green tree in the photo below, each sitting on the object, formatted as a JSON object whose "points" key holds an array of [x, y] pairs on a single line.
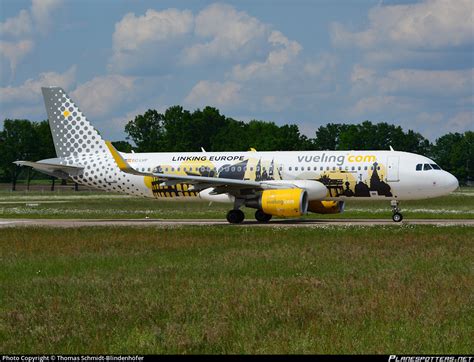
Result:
{"points": [[19, 142], [454, 152], [44, 146], [369, 136], [328, 136], [123, 146], [231, 137], [178, 130], [146, 131]]}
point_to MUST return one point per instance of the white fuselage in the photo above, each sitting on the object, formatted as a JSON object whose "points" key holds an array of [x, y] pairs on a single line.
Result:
{"points": [[348, 175]]}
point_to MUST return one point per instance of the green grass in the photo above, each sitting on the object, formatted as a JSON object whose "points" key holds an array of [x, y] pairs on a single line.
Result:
{"points": [[89, 205], [229, 289]]}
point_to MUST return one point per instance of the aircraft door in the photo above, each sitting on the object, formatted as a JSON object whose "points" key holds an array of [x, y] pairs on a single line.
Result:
{"points": [[392, 168]]}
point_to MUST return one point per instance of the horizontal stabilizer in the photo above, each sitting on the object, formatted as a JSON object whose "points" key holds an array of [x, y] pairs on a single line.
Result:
{"points": [[52, 168]]}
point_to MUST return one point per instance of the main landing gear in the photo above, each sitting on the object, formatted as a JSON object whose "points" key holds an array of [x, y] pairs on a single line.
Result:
{"points": [[396, 214], [262, 217], [235, 216]]}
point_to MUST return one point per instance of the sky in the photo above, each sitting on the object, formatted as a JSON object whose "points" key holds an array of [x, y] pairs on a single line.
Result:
{"points": [[305, 62]]}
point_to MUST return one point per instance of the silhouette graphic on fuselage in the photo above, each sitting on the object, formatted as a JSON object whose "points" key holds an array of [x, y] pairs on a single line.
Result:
{"points": [[361, 189]]}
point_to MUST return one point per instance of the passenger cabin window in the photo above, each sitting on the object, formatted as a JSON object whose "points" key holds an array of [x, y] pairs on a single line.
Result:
{"points": [[419, 167], [426, 167]]}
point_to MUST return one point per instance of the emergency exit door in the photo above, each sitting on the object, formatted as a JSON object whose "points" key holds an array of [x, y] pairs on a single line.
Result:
{"points": [[392, 169]]}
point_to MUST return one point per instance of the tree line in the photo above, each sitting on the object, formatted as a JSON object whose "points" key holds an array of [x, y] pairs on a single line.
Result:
{"points": [[180, 130]]}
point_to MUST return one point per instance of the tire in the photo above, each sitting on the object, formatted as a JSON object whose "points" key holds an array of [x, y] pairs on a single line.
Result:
{"points": [[235, 216], [262, 217], [397, 217]]}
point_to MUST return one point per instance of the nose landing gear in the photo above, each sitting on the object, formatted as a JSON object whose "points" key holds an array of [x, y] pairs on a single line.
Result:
{"points": [[396, 214]]}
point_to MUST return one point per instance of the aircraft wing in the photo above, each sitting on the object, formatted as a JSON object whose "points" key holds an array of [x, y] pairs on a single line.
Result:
{"points": [[53, 169], [221, 185]]}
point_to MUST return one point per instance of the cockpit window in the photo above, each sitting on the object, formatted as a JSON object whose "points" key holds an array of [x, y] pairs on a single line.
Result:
{"points": [[426, 167], [435, 166], [419, 167]]}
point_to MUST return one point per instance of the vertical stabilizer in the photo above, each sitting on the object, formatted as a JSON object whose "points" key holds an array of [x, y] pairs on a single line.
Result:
{"points": [[72, 132]]}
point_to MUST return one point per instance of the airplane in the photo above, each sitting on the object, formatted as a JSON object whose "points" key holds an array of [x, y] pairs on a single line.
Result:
{"points": [[281, 184]]}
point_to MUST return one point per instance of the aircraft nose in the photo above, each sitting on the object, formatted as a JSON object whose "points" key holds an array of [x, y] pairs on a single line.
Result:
{"points": [[451, 182]]}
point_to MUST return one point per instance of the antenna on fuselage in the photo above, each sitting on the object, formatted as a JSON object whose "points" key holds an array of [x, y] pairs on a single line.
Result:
{"points": [[391, 148], [202, 149]]}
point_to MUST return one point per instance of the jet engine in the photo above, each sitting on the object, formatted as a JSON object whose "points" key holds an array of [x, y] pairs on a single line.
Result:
{"points": [[326, 207], [281, 202]]}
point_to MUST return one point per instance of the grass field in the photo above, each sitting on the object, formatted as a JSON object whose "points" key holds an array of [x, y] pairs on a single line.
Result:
{"points": [[229, 289], [89, 205]]}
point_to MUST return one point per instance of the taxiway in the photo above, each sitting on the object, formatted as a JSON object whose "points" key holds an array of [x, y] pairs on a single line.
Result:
{"points": [[70, 223]]}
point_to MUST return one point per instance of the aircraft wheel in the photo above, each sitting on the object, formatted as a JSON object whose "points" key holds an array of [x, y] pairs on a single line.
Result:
{"points": [[262, 217], [397, 217], [235, 216]]}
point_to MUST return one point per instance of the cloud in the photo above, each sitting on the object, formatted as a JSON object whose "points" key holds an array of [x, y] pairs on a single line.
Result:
{"points": [[139, 40], [30, 90], [21, 30], [233, 34], [244, 52], [324, 63], [26, 99], [132, 32], [283, 52], [17, 26], [104, 95], [460, 122], [41, 11], [219, 94], [428, 82], [159, 40], [15, 52], [431, 24], [361, 74], [446, 83], [373, 104]]}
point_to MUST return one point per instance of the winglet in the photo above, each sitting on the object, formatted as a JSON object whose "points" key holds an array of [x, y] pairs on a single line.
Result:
{"points": [[121, 163]]}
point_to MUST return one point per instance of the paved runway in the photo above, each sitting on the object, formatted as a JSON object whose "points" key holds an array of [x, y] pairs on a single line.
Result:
{"points": [[67, 223]]}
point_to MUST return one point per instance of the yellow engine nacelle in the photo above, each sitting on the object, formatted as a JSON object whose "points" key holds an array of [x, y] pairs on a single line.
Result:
{"points": [[285, 203], [326, 207]]}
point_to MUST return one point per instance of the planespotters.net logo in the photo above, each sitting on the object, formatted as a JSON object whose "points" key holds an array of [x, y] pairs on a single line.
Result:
{"points": [[395, 358]]}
